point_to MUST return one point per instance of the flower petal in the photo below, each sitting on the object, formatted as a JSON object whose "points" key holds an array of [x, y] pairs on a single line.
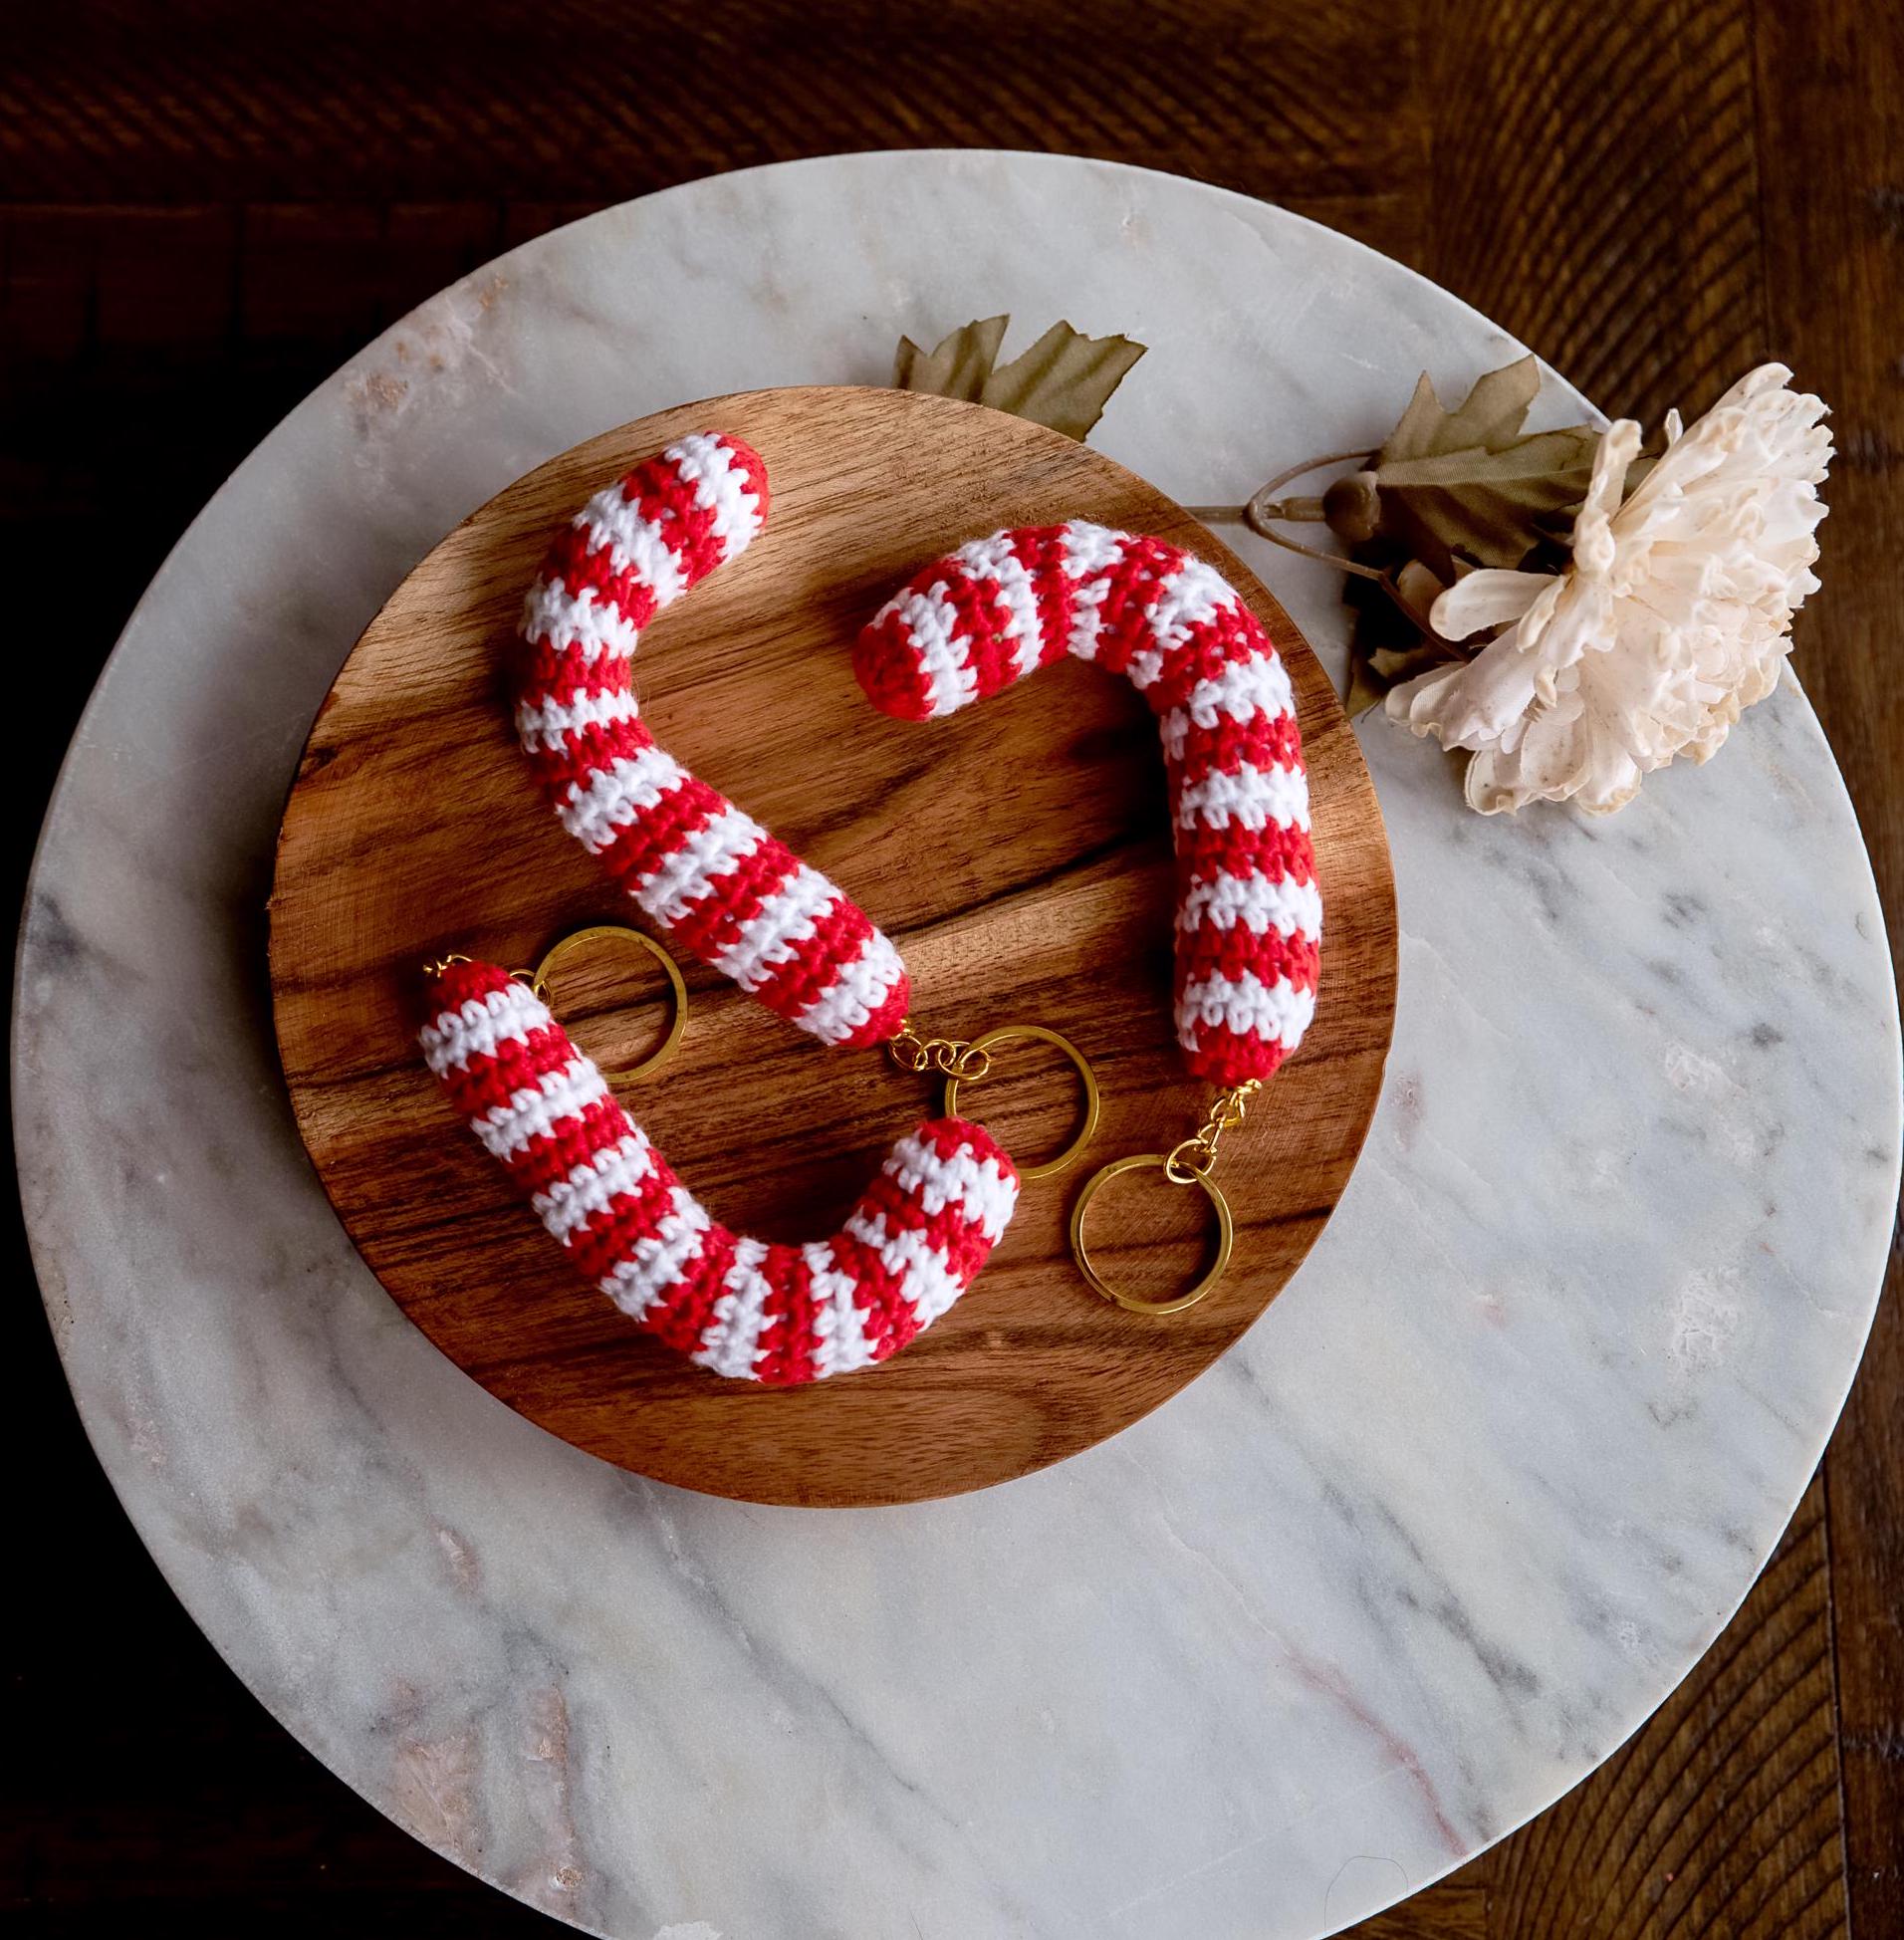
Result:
{"points": [[1487, 598]]}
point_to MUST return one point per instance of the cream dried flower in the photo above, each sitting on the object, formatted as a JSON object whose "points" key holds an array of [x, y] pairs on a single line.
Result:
{"points": [[1674, 615]]}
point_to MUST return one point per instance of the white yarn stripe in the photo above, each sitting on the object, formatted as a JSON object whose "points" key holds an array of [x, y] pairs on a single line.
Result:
{"points": [[660, 1259], [577, 623], [933, 626], [993, 561], [614, 795], [480, 1024], [1257, 902], [975, 1188], [633, 543], [1089, 553], [588, 1191], [720, 487], [1243, 690], [1250, 798], [785, 920], [927, 1283], [1090, 550], [534, 1111], [545, 725], [839, 1322], [1146, 668], [1195, 592], [685, 876], [1244, 1003], [858, 990], [730, 1342], [1191, 596]]}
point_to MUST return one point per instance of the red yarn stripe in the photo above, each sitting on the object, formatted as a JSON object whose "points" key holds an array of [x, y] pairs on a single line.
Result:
{"points": [[888, 666], [1263, 741], [840, 935], [1225, 1057], [715, 922], [644, 845], [890, 1319], [683, 1319], [983, 617], [1040, 550], [1231, 635]]}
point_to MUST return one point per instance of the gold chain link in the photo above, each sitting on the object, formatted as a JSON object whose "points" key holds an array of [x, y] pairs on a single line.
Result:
{"points": [[950, 1056], [1191, 1159]]}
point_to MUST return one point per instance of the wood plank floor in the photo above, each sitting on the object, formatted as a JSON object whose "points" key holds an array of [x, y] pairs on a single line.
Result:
{"points": [[206, 208]]}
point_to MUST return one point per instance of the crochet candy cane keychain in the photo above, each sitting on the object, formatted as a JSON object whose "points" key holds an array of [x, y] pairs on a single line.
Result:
{"points": [[707, 872], [781, 1314], [1249, 911]]}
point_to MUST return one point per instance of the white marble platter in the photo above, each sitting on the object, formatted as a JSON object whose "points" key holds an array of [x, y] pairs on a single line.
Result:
{"points": [[1444, 1529]]}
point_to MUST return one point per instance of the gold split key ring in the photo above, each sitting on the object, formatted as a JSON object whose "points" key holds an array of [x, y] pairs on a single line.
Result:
{"points": [[537, 981], [1189, 1162], [643, 1068]]}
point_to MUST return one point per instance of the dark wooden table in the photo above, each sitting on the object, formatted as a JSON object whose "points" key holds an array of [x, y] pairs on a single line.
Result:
{"points": [[206, 208]]}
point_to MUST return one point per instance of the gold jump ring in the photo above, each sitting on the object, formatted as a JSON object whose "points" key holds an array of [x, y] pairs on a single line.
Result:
{"points": [[982, 1047], [1226, 1236], [650, 1066]]}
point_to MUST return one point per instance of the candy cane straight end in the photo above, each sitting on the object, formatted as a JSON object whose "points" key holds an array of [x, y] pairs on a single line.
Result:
{"points": [[883, 1022], [891, 673], [700, 867], [742, 1308]]}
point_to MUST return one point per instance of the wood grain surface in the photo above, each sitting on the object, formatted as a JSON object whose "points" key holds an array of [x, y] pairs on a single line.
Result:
{"points": [[205, 208], [1020, 856]]}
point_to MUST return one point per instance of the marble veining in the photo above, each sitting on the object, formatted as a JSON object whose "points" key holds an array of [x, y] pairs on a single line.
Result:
{"points": [[1454, 1517]]}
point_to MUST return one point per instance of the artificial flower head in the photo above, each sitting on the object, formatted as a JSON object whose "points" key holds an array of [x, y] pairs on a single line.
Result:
{"points": [[1673, 617]]}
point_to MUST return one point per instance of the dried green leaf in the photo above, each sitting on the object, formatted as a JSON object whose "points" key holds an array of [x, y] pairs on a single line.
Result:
{"points": [[958, 365], [1491, 416], [1370, 675], [1490, 507], [1364, 691], [1392, 666], [1065, 379], [1466, 484]]}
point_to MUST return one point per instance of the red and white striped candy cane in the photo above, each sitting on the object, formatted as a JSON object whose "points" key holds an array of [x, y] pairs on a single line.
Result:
{"points": [[781, 1314], [708, 873], [1249, 911]]}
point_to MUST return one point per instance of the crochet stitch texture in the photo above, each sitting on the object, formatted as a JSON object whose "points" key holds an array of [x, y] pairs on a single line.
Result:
{"points": [[708, 873], [1248, 925], [775, 1313]]}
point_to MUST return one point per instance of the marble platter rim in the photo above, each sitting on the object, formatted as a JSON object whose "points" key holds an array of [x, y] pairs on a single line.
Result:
{"points": [[47, 1258]]}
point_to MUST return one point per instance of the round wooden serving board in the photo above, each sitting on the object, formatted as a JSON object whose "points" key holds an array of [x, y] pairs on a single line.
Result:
{"points": [[1018, 855]]}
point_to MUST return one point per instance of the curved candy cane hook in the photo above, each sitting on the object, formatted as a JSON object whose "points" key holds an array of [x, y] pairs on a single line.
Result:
{"points": [[781, 1314], [1249, 911], [711, 877]]}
